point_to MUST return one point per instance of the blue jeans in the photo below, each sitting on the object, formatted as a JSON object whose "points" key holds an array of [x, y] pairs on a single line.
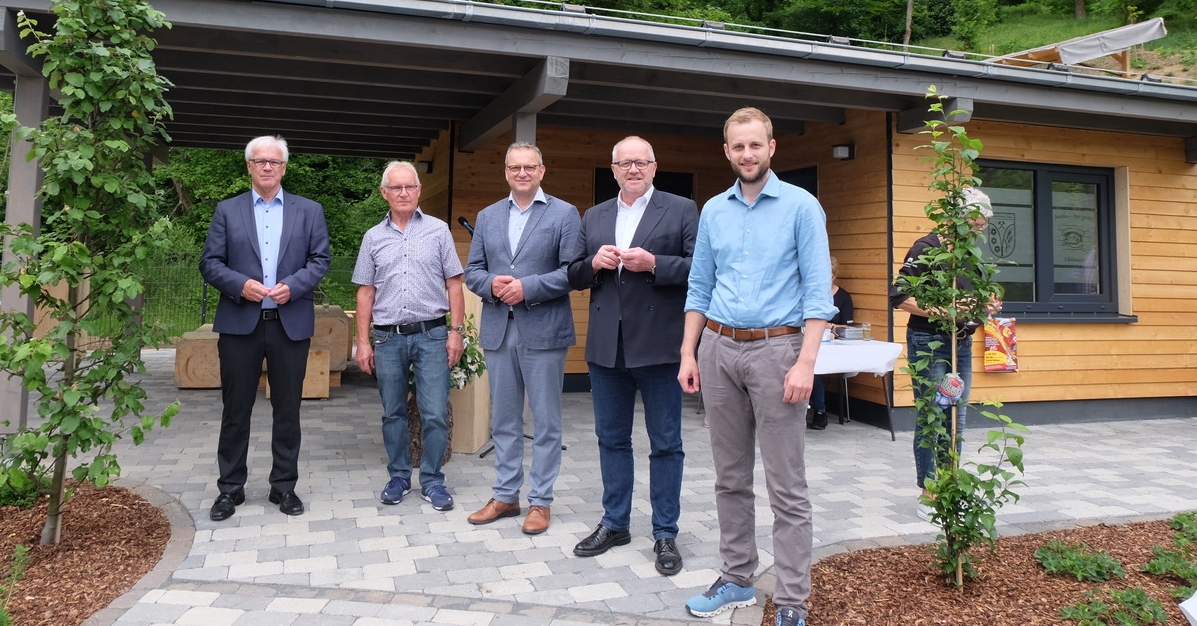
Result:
{"points": [[918, 342], [394, 356], [818, 395], [613, 390]]}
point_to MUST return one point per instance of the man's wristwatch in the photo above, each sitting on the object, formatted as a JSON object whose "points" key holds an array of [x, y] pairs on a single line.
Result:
{"points": [[458, 329]]}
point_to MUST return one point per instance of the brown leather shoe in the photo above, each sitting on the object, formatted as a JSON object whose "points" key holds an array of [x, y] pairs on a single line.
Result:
{"points": [[494, 510], [537, 521]]}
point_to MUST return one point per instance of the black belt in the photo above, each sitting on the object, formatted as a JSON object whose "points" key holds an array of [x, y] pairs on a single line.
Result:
{"points": [[413, 328], [269, 314]]}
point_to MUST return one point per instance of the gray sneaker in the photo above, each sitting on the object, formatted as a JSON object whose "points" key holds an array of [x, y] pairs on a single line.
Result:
{"points": [[787, 616]]}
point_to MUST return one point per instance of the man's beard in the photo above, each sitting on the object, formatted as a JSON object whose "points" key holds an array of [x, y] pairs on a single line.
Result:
{"points": [[761, 172]]}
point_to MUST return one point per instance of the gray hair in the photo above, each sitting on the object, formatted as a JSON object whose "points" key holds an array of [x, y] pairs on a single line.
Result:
{"points": [[651, 155], [403, 165], [262, 142], [974, 197], [524, 145]]}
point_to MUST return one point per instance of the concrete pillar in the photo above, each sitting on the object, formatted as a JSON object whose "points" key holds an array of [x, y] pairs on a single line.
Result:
{"points": [[31, 102], [523, 127]]}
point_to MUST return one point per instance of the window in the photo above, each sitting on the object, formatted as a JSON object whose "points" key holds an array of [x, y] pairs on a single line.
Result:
{"points": [[1052, 237]]}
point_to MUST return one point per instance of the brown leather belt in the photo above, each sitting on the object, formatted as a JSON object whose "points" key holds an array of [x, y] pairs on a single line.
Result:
{"points": [[751, 334]]}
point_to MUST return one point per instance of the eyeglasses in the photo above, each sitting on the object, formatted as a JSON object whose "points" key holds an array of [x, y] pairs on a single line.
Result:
{"points": [[265, 162], [516, 169], [627, 165], [401, 188]]}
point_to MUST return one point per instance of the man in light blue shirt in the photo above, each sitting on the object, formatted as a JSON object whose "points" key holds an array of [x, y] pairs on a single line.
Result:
{"points": [[760, 285]]}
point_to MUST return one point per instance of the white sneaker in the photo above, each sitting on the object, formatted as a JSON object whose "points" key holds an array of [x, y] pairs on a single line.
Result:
{"points": [[923, 511]]}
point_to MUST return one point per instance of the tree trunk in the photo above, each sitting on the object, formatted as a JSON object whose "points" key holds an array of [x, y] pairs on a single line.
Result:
{"points": [[910, 18], [52, 531], [1079, 9]]}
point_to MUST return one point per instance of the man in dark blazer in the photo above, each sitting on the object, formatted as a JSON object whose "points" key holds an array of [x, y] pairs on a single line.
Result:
{"points": [[518, 258], [266, 251], [634, 254]]}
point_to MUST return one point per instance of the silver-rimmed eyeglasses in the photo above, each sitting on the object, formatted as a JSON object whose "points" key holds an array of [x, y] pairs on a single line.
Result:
{"points": [[516, 169], [627, 165], [401, 188], [265, 162]]}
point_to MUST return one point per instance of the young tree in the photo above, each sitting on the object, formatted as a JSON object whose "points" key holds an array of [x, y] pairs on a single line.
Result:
{"points": [[100, 227], [958, 285]]}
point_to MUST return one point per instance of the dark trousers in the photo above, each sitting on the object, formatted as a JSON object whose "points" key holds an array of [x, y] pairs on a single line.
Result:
{"points": [[240, 368]]}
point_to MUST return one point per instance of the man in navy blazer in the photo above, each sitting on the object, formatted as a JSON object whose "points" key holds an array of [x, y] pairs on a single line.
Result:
{"points": [[266, 251], [517, 265], [634, 254]]}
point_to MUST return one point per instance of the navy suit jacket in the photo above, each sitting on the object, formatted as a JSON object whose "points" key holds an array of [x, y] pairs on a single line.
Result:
{"points": [[231, 257], [544, 319], [651, 306]]}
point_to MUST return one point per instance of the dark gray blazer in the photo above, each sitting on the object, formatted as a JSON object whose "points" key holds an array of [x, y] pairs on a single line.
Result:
{"points": [[231, 256], [544, 319], [651, 306]]}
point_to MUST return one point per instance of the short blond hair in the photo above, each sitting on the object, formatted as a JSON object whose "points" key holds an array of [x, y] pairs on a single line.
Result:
{"points": [[746, 115]]}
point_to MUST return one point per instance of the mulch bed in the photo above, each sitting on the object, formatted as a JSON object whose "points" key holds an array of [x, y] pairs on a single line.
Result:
{"points": [[901, 585], [111, 537]]}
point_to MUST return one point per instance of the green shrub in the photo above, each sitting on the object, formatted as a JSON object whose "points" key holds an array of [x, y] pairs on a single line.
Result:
{"points": [[16, 571], [1081, 561]]}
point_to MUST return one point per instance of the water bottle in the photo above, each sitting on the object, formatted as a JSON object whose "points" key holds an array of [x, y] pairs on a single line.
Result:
{"points": [[866, 331], [827, 335], [951, 387]]}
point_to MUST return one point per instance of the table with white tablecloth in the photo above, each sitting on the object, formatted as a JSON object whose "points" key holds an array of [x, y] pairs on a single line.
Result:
{"points": [[851, 357]]}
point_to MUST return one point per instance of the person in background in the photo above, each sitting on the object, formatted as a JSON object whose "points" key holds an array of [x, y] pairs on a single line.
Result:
{"points": [[634, 256], [922, 331], [409, 277], [759, 294], [266, 251], [843, 301], [518, 264]]}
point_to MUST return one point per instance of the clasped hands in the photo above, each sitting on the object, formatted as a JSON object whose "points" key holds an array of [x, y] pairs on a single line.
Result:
{"points": [[255, 291], [609, 257]]}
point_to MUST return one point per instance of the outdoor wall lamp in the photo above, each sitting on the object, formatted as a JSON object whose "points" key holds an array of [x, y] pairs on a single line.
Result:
{"points": [[843, 151], [424, 167]]}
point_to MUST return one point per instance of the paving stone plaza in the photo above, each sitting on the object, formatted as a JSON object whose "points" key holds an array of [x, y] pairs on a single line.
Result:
{"points": [[352, 561]]}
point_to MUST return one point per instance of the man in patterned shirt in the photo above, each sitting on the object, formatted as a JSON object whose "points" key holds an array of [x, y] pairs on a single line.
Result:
{"points": [[409, 276]]}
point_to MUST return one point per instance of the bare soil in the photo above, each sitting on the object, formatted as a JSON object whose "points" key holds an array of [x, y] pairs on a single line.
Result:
{"points": [[112, 537]]}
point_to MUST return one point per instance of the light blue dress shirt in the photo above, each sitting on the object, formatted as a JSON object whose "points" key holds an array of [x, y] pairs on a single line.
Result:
{"points": [[268, 216], [763, 264]]}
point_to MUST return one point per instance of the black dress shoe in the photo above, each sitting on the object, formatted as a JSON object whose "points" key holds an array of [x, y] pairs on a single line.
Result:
{"points": [[669, 560], [601, 540], [288, 502], [819, 421], [226, 505]]}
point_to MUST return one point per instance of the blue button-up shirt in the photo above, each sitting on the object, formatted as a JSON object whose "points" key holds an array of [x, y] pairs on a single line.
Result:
{"points": [[763, 264], [269, 219]]}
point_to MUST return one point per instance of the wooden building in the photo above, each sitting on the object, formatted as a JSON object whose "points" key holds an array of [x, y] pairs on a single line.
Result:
{"points": [[1094, 178]]}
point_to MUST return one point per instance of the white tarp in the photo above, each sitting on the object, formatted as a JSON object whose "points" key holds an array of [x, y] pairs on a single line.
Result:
{"points": [[1094, 46]]}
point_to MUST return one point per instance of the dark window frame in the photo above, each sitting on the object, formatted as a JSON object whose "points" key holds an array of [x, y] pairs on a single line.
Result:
{"points": [[1050, 304]]}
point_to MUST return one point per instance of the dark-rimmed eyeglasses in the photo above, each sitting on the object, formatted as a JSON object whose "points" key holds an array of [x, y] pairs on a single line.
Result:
{"points": [[516, 169], [265, 162], [627, 165], [401, 188]]}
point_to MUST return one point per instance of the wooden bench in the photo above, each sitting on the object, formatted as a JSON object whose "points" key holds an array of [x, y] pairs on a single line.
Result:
{"points": [[197, 364]]}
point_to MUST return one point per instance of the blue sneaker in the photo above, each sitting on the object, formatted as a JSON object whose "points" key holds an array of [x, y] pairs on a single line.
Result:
{"points": [[438, 496], [787, 616], [396, 488], [722, 595]]}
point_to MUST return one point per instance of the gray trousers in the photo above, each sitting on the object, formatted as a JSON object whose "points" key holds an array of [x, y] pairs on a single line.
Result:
{"points": [[742, 388]]}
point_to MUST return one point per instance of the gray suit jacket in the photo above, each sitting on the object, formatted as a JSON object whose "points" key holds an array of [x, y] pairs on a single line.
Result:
{"points": [[544, 319], [651, 306], [231, 256]]}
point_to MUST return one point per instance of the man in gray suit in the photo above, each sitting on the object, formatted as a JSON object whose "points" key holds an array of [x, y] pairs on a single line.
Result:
{"points": [[518, 259], [634, 254], [266, 251]]}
